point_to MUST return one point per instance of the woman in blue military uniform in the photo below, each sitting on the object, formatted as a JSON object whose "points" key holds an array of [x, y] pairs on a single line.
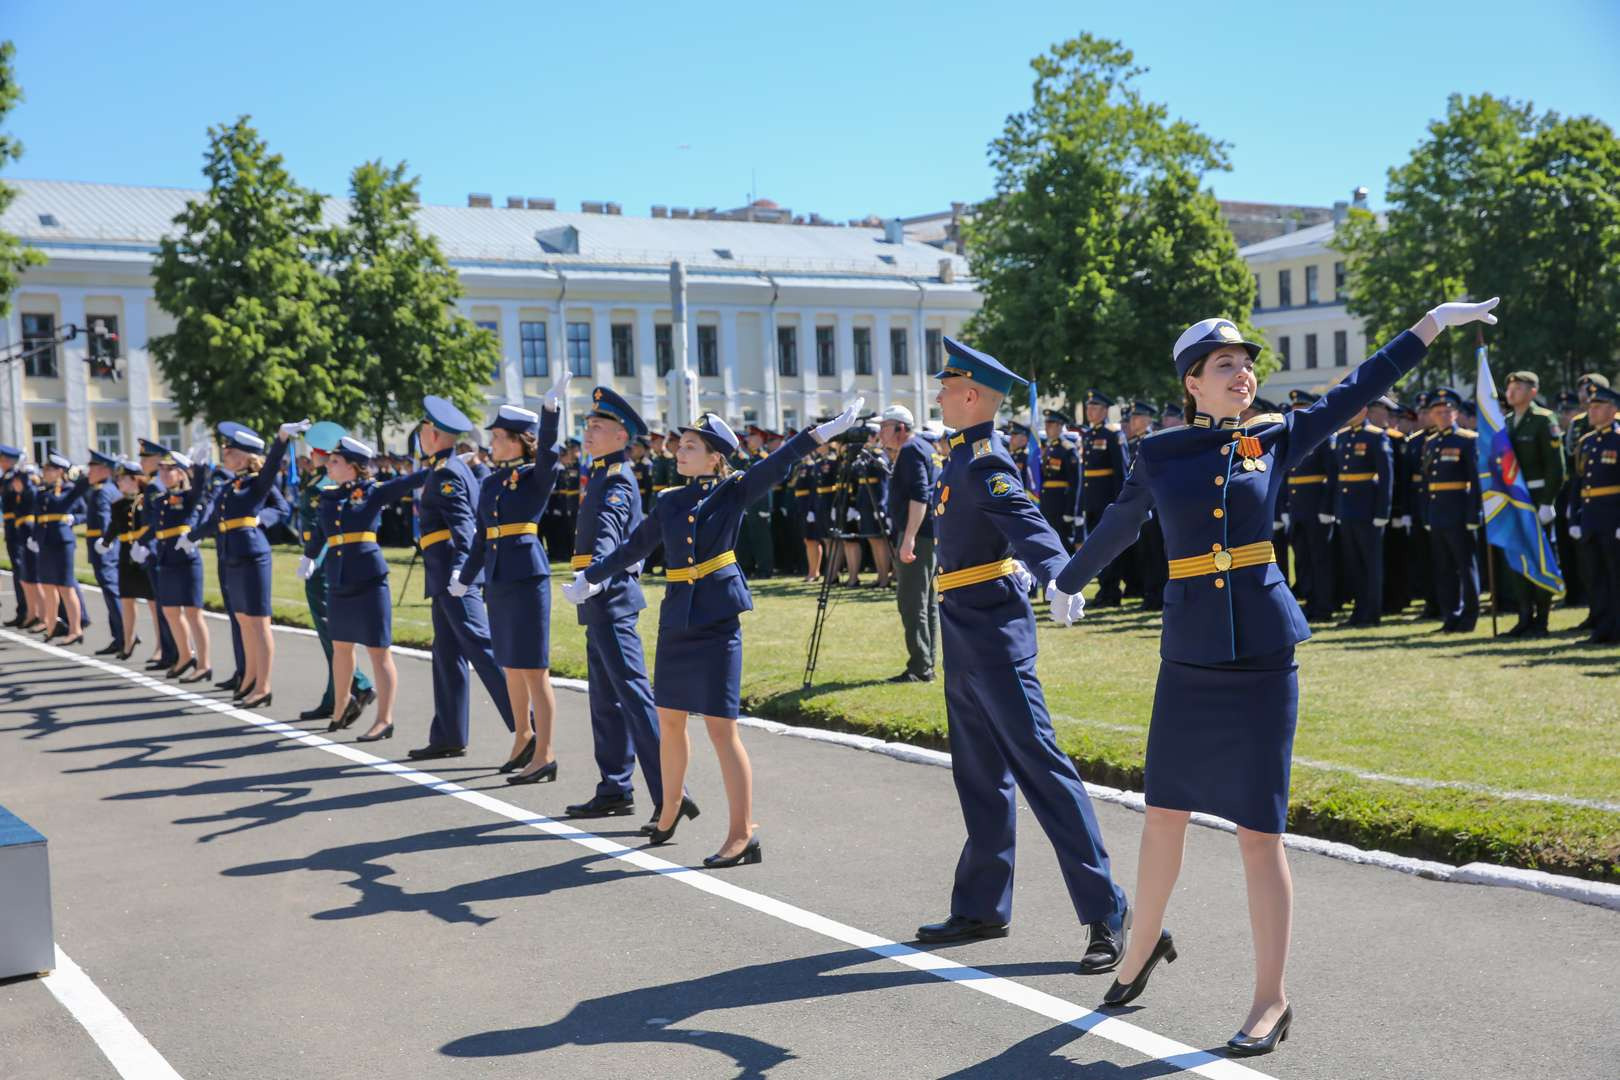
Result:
{"points": [[1221, 738], [25, 490], [57, 507], [508, 551], [171, 550], [1594, 513], [246, 506], [360, 609], [698, 668], [124, 528]]}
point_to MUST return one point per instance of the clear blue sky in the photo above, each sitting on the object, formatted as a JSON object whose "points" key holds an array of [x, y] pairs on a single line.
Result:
{"points": [[837, 107]]}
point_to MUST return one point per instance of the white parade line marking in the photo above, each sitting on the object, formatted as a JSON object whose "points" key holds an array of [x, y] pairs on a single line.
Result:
{"points": [[126, 1048], [1122, 1033]]}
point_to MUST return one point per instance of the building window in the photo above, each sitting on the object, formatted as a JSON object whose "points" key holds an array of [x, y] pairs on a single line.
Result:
{"points": [[169, 433], [579, 348], [826, 361], [790, 418], [1341, 348], [1338, 281], [1312, 296], [44, 440], [1285, 288], [787, 351], [663, 348], [934, 342], [102, 345], [1256, 290], [708, 350], [39, 334], [1310, 350], [1285, 350], [624, 350], [494, 328], [109, 437], [532, 338], [863, 350], [899, 362]]}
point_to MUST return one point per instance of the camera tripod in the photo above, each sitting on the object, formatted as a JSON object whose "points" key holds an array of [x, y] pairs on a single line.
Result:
{"points": [[836, 534]]}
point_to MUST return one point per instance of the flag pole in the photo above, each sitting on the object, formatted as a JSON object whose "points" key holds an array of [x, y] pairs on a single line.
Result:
{"points": [[1490, 553]]}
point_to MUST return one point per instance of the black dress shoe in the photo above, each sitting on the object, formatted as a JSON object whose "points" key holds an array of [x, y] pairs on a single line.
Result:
{"points": [[385, 733], [238, 692], [911, 676], [153, 665], [129, 652], [319, 712], [232, 683], [429, 753], [1107, 945], [521, 758], [960, 928], [180, 669], [1520, 629], [689, 809], [1241, 1045], [72, 640], [113, 648], [544, 774], [364, 697], [199, 676], [261, 702], [751, 855], [1124, 994], [351, 713], [603, 806]]}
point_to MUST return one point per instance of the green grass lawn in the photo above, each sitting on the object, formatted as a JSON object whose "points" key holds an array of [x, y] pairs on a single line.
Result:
{"points": [[1400, 701]]}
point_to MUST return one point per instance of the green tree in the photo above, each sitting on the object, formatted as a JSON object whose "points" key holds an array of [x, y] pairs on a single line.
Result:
{"points": [[15, 256], [400, 328], [254, 314], [1098, 247]]}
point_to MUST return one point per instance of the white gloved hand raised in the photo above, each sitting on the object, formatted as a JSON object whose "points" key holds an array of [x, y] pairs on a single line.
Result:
{"points": [[1459, 313], [579, 590], [458, 588], [553, 399], [293, 428], [840, 423], [1062, 605], [1545, 513], [138, 553], [306, 568], [200, 453]]}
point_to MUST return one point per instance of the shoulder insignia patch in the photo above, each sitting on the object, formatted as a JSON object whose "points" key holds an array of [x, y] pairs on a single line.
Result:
{"points": [[614, 498], [616, 468], [447, 488], [982, 447], [1000, 484]]}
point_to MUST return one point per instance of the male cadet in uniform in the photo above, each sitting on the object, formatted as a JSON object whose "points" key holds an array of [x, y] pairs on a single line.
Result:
{"points": [[1060, 479], [10, 458], [145, 513], [754, 551], [98, 503], [991, 542], [1363, 492], [1386, 413], [1452, 514], [624, 721], [1018, 450], [1584, 564], [460, 623], [1538, 446], [1152, 567], [559, 515], [1595, 513], [641, 469], [322, 439], [1102, 457], [1569, 406], [1310, 522], [911, 494]]}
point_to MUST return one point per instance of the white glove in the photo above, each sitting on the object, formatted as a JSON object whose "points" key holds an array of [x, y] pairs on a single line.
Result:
{"points": [[102, 547], [1617, 534], [1405, 521], [458, 589], [187, 545], [1574, 532], [852, 515], [199, 453], [1062, 605], [1380, 522], [1326, 519], [33, 545], [1077, 608], [294, 428], [1287, 520], [1069, 518], [138, 553], [811, 516], [1474, 527], [1022, 577], [558, 393], [306, 568], [840, 423], [1459, 313], [579, 590], [1546, 513]]}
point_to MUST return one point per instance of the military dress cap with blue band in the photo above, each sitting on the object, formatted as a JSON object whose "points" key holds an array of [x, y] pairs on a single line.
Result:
{"points": [[516, 419], [354, 450], [1265, 405], [152, 449], [1445, 395], [1606, 394], [1097, 397], [240, 437], [61, 461], [107, 460], [324, 436], [130, 467], [610, 406], [1053, 416], [963, 361], [174, 459], [716, 433], [1172, 409], [1017, 427], [444, 415], [1301, 398], [10, 451], [1144, 408], [1204, 337]]}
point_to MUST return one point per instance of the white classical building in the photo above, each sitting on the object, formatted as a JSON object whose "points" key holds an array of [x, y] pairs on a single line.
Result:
{"points": [[784, 321]]}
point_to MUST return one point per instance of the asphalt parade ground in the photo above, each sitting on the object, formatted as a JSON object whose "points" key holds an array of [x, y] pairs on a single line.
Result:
{"points": [[238, 895]]}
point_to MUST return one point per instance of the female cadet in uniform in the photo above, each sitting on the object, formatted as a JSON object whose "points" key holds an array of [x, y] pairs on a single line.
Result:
{"points": [[180, 580], [517, 574], [27, 566], [126, 528], [698, 668], [806, 500], [1222, 732], [358, 603], [53, 545], [241, 512]]}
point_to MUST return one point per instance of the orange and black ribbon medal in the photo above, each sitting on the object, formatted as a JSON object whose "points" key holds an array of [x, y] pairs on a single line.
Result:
{"points": [[1250, 450]]}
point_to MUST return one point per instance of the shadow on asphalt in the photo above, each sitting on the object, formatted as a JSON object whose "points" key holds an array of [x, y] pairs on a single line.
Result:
{"points": [[145, 752]]}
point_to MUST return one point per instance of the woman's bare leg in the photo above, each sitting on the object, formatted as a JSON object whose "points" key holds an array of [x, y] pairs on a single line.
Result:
{"points": [[674, 753], [386, 677], [1158, 864], [1271, 919], [738, 775]]}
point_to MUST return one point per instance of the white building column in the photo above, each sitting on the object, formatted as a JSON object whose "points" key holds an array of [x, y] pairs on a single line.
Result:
{"points": [[602, 346], [810, 402], [770, 409], [13, 424], [647, 365], [882, 360], [729, 362], [137, 372], [919, 367], [844, 356], [75, 377], [511, 354]]}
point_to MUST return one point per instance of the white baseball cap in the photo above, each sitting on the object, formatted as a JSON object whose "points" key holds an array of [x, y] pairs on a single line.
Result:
{"points": [[899, 413]]}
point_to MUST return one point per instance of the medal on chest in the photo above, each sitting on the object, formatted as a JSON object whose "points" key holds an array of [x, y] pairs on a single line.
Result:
{"points": [[944, 497], [1251, 452]]}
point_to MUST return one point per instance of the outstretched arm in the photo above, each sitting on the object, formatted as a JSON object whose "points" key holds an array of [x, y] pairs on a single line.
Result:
{"points": [[1118, 529], [641, 543]]}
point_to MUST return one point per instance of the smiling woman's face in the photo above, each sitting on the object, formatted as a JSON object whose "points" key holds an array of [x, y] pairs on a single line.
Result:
{"points": [[1223, 383]]}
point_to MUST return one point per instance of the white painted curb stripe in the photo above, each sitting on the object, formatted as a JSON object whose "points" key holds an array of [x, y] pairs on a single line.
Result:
{"points": [[126, 1048], [1159, 1048]]}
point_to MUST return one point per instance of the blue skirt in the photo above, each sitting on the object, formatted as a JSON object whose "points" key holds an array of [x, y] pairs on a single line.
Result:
{"points": [[247, 583], [1222, 739], [699, 669], [520, 621], [53, 565], [180, 585], [362, 614]]}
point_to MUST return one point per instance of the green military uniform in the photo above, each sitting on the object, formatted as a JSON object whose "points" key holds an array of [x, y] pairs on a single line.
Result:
{"points": [[309, 500], [754, 549], [1538, 445]]}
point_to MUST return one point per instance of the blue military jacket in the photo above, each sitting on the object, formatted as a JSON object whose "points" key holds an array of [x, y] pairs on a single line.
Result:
{"points": [[55, 512], [175, 515], [982, 516], [1208, 505], [511, 503], [609, 512], [98, 506], [697, 524], [1365, 477], [244, 506], [1451, 479], [1060, 480], [448, 522], [1411, 464], [1595, 504], [1310, 483], [1103, 467], [347, 526], [914, 479]]}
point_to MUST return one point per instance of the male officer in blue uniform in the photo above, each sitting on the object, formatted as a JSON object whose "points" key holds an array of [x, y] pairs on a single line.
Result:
{"points": [[1310, 522], [98, 504], [1595, 510], [1386, 413], [460, 623], [1060, 479], [999, 729], [1363, 492], [1452, 513], [624, 720], [10, 458], [1152, 568], [146, 513], [1102, 458]]}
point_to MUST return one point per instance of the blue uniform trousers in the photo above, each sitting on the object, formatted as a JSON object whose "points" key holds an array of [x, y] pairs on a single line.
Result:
{"points": [[460, 636], [1000, 733], [315, 596], [1364, 555], [230, 613], [1312, 542], [624, 721], [107, 578], [1456, 576]]}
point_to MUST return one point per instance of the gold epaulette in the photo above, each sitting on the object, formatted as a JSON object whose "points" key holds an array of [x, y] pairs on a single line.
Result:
{"points": [[1466, 433], [1263, 418], [1374, 428]]}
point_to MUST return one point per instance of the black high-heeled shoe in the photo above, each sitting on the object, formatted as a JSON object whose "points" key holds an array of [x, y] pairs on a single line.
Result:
{"points": [[385, 733], [239, 692], [657, 836], [520, 759], [751, 854], [233, 684], [129, 652], [543, 774], [260, 702], [1241, 1045], [351, 713], [198, 676], [72, 640], [689, 809], [1125, 993], [180, 669]]}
